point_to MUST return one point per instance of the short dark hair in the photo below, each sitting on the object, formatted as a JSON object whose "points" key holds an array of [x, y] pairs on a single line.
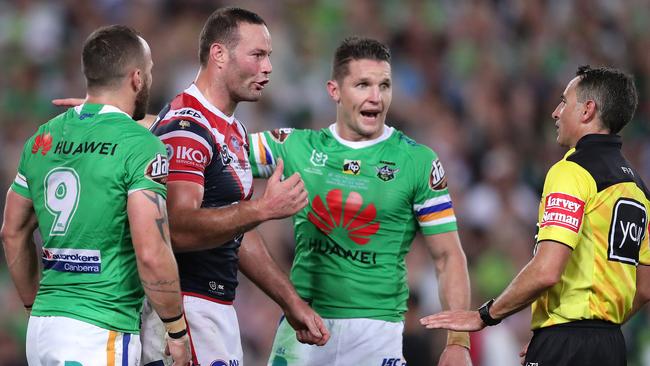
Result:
{"points": [[222, 26], [107, 53], [612, 90], [357, 48]]}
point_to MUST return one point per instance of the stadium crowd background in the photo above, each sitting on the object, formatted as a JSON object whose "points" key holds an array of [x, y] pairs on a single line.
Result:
{"points": [[475, 80]]}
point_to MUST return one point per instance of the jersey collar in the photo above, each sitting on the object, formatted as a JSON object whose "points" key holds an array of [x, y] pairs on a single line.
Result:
{"points": [[105, 108], [194, 91], [388, 131], [599, 139]]}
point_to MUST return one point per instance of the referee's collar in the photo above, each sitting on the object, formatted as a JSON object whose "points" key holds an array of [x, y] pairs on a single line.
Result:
{"points": [[599, 139]]}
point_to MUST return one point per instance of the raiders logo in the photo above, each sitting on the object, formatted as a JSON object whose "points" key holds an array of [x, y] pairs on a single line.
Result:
{"points": [[437, 178], [386, 173], [281, 134]]}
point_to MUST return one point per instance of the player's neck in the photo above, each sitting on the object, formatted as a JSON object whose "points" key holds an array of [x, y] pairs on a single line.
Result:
{"points": [[109, 98], [215, 92]]}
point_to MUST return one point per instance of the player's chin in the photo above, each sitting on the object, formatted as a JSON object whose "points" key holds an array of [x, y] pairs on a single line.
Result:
{"points": [[371, 126]]}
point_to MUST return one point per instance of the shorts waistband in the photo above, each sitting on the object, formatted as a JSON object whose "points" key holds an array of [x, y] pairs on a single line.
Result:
{"points": [[585, 323]]}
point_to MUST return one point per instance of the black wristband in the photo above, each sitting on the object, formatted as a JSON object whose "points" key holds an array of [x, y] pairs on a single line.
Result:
{"points": [[484, 312], [172, 319], [178, 334]]}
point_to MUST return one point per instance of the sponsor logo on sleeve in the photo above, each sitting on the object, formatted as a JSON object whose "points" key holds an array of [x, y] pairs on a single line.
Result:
{"points": [[351, 166], [158, 169], [563, 210], [42, 142], [280, 135], [190, 155], [72, 260], [437, 178], [627, 230]]}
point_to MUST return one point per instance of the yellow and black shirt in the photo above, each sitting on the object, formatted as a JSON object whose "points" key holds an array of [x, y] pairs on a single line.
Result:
{"points": [[595, 203]]}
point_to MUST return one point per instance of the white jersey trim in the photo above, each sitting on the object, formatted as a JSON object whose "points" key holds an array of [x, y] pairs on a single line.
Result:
{"points": [[105, 109], [432, 202], [21, 180], [194, 91], [388, 131]]}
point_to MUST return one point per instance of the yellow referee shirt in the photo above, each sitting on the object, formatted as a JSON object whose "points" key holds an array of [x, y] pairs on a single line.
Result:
{"points": [[595, 203]]}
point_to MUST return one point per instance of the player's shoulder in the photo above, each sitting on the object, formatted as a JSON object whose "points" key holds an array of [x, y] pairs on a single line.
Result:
{"points": [[568, 171], [409, 146], [284, 134]]}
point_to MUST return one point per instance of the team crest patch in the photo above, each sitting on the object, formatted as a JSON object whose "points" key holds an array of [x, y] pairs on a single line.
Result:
{"points": [[386, 173], [318, 158], [158, 169], [437, 178], [44, 142], [563, 210], [351, 167], [183, 124], [280, 135]]}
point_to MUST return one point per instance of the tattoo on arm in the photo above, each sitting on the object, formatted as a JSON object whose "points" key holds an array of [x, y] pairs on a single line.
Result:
{"points": [[162, 220], [159, 286]]}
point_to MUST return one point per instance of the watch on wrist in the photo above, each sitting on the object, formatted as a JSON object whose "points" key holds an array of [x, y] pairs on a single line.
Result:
{"points": [[484, 313]]}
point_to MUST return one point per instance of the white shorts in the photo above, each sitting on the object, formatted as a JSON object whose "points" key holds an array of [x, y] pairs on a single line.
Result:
{"points": [[57, 340], [359, 342], [213, 330]]}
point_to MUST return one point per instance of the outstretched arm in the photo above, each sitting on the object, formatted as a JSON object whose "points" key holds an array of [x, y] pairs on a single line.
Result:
{"points": [[454, 290], [257, 264], [195, 228], [540, 274], [19, 223]]}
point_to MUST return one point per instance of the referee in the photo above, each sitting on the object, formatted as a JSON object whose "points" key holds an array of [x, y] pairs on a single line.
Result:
{"points": [[591, 266]]}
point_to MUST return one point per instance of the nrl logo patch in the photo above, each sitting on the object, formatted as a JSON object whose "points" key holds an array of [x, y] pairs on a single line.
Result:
{"points": [[351, 167], [318, 158], [386, 173], [225, 154], [280, 135]]}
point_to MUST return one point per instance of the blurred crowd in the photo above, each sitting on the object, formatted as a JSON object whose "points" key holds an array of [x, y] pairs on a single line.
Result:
{"points": [[475, 80]]}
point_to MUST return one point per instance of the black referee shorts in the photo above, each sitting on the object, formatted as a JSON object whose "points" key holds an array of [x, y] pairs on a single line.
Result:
{"points": [[579, 343]]}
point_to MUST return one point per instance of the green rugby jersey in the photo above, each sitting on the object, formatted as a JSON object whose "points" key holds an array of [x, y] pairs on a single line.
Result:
{"points": [[78, 170], [366, 201]]}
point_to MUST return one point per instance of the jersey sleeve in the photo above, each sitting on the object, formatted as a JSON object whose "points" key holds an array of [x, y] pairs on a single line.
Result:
{"points": [[265, 148], [147, 166], [189, 148], [644, 250], [432, 204], [567, 189], [20, 184]]}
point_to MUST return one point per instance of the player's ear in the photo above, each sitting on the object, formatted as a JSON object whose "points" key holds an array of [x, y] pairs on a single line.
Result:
{"points": [[137, 80], [218, 54], [589, 110], [333, 90]]}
